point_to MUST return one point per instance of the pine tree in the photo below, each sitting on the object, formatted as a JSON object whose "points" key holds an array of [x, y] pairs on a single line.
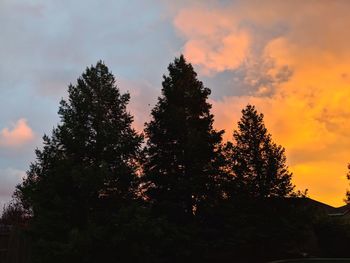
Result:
{"points": [[96, 129], [88, 163], [183, 149], [257, 164]]}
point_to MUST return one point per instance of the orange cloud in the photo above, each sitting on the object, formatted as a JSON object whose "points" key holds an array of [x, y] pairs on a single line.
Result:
{"points": [[214, 42], [308, 113], [20, 134]]}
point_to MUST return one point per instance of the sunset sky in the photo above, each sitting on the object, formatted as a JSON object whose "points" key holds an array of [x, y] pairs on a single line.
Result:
{"points": [[290, 58]]}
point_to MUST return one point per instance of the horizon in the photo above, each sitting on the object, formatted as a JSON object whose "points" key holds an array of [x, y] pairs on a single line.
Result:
{"points": [[290, 59]]}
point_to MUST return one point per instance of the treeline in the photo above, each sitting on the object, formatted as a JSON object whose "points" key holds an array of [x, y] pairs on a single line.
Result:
{"points": [[99, 191]]}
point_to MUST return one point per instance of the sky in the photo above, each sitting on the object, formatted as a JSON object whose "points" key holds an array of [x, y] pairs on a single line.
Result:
{"points": [[291, 59]]}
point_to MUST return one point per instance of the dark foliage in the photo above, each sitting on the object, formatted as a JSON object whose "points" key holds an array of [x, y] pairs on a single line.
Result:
{"points": [[182, 168], [347, 199], [86, 168], [14, 214], [257, 164], [273, 228]]}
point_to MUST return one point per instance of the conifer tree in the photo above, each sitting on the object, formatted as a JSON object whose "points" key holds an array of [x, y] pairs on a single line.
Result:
{"points": [[183, 149], [89, 161], [257, 164]]}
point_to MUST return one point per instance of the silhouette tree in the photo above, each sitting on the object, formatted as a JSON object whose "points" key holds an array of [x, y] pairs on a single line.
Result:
{"points": [[257, 165], [347, 199], [13, 214], [88, 163], [183, 149]]}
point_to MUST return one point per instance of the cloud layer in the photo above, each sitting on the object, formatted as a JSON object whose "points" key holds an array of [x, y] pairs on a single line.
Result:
{"points": [[214, 41]]}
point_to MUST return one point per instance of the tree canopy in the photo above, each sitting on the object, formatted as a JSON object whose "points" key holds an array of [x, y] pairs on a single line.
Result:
{"points": [[183, 149], [86, 165], [257, 164]]}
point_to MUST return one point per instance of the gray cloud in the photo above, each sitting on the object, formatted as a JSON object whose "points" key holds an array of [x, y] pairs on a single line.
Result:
{"points": [[258, 77]]}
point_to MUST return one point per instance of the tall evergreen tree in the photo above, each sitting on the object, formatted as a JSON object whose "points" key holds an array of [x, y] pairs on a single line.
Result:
{"points": [[183, 149], [257, 164], [88, 161]]}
